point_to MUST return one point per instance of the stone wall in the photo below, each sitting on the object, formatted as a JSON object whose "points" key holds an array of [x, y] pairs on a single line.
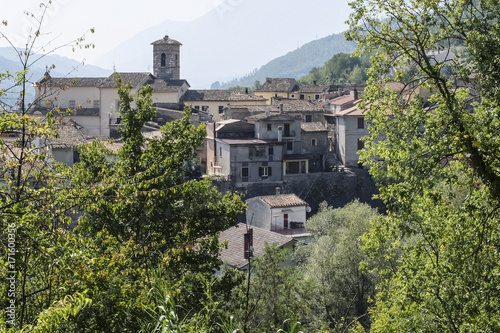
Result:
{"points": [[336, 188]]}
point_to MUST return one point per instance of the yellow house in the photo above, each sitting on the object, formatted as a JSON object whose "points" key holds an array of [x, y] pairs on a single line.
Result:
{"points": [[277, 87]]}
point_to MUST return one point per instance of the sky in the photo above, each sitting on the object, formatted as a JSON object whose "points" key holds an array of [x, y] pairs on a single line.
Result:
{"points": [[74, 18], [258, 31]]}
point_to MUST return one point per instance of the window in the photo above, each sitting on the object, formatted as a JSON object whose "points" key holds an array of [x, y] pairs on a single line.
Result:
{"points": [[361, 144], [316, 97], [302, 96], [204, 108], [163, 60], [244, 172], [361, 122], [285, 221], [270, 151], [257, 151], [265, 171], [286, 131], [97, 104], [221, 109], [289, 145], [269, 127], [220, 151], [72, 103], [314, 142], [292, 96], [308, 118]]}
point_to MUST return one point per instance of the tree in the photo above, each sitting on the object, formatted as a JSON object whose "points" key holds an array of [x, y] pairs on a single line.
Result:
{"points": [[272, 302], [436, 161], [339, 289], [37, 254], [153, 212]]}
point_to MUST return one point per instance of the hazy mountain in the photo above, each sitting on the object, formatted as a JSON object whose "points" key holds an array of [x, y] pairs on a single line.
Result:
{"points": [[63, 67], [233, 39], [297, 63]]}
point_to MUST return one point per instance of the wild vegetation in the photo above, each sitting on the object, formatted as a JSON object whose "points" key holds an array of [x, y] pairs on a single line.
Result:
{"points": [[128, 241]]}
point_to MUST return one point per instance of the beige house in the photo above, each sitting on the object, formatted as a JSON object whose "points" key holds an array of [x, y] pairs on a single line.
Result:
{"points": [[215, 101], [281, 213], [350, 127]]}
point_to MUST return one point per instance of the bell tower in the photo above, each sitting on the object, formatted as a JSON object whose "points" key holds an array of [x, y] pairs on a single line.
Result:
{"points": [[166, 59]]}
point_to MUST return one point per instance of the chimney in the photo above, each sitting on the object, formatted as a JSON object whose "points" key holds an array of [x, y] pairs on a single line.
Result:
{"points": [[354, 93], [268, 113], [278, 190], [248, 244], [280, 134]]}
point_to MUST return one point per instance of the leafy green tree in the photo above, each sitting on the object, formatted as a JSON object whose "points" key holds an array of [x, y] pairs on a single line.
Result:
{"points": [[436, 163], [153, 212], [342, 68], [339, 289], [38, 254], [271, 302]]}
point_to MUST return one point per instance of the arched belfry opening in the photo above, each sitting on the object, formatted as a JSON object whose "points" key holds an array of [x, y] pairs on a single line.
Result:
{"points": [[166, 58]]}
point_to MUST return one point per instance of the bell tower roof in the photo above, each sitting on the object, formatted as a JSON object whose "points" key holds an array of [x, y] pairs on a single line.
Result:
{"points": [[166, 40]]}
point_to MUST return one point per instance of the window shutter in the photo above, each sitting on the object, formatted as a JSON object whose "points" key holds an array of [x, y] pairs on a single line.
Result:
{"points": [[269, 171]]}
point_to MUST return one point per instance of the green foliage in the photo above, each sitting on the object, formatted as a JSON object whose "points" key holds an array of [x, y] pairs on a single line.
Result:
{"points": [[165, 317], [338, 289], [342, 68], [55, 317], [155, 216], [272, 302], [436, 163]]}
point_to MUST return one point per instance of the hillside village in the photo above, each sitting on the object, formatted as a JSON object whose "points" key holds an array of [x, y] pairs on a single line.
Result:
{"points": [[280, 136], [283, 129], [281, 141], [210, 210]]}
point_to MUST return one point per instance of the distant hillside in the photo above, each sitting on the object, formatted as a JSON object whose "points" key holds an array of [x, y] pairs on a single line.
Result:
{"points": [[234, 38], [295, 64], [63, 67]]}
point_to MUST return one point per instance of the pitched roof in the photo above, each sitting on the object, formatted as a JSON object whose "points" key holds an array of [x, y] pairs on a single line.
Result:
{"points": [[315, 88], [219, 95], [136, 79], [166, 40], [294, 105], [71, 81], [69, 134], [314, 127], [161, 85], [279, 85], [282, 200], [352, 111], [342, 100], [234, 254]]}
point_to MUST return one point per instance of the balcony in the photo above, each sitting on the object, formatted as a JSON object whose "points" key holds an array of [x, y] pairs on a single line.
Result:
{"points": [[296, 229]]}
